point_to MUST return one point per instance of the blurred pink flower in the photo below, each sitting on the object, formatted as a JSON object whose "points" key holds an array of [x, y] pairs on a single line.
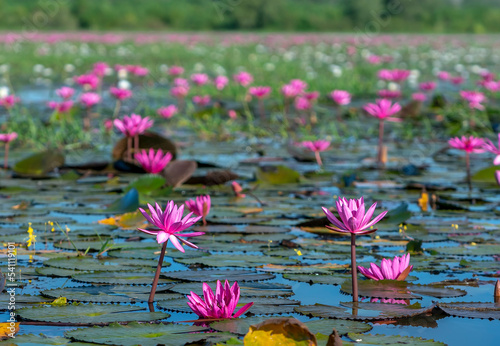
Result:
{"points": [[260, 92], [232, 114], [457, 80], [108, 124], [200, 207], [201, 100], [153, 161], [311, 96], [237, 189], [137, 70], [319, 145], [469, 144], [90, 99], [374, 59], [199, 79], [389, 94], [243, 78], [220, 305], [60, 107], [419, 97], [220, 82], [167, 112], [395, 75], [427, 86], [341, 97], [9, 101], [383, 109], [443, 75], [475, 98], [120, 94], [65, 92], [395, 269], [175, 70], [290, 91], [302, 104], [299, 84], [7, 137], [181, 82], [89, 81], [133, 125], [100, 69], [179, 91], [489, 146]]}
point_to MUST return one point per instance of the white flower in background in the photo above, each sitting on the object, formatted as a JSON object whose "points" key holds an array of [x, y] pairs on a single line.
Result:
{"points": [[477, 69], [469, 58], [69, 68], [38, 68], [109, 71], [4, 91], [336, 70], [393, 86], [289, 56], [122, 73], [414, 73], [199, 67], [163, 68], [459, 67], [218, 69], [269, 66], [47, 72], [311, 75], [260, 49], [69, 81], [422, 64], [124, 84], [381, 84], [275, 59]]}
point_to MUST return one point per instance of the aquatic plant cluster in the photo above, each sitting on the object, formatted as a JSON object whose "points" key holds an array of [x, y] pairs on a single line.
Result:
{"points": [[257, 153]]}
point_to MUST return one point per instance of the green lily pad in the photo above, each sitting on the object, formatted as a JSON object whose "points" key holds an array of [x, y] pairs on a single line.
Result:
{"points": [[31, 339], [125, 204], [277, 175], [472, 310], [240, 229], [145, 334], [105, 264], [486, 175], [57, 272], [83, 245], [336, 279], [224, 260], [109, 294], [91, 313], [39, 164], [120, 278], [471, 250], [391, 340], [147, 184], [214, 274]]}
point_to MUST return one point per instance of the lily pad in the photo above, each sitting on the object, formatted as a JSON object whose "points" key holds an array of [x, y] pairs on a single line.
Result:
{"points": [[391, 340], [39, 164], [105, 264], [471, 250], [245, 261], [125, 204], [472, 310], [277, 175], [31, 339], [89, 314], [147, 184], [336, 279], [214, 274], [119, 278], [248, 289], [144, 334]]}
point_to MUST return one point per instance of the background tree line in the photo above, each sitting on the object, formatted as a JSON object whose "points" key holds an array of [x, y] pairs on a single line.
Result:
{"points": [[437, 16]]}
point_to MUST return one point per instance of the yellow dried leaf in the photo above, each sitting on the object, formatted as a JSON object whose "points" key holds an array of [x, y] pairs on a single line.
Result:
{"points": [[8, 330]]}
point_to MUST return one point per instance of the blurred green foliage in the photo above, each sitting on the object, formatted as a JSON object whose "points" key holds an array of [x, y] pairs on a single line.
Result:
{"points": [[469, 16]]}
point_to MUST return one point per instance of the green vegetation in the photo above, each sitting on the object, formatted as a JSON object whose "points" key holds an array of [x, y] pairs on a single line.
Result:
{"points": [[438, 16]]}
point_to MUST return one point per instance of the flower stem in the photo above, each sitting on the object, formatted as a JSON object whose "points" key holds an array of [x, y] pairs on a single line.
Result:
{"points": [[467, 164], [129, 148], [117, 108], [136, 144], [157, 274], [318, 159], [262, 110], [380, 142], [354, 269], [6, 158]]}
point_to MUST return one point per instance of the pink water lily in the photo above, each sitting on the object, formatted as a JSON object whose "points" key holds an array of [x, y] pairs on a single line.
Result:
{"points": [[7, 138], [220, 305], [167, 112], [220, 82], [353, 221], [175, 70], [60, 107], [470, 145], [153, 161], [316, 147], [199, 79], [489, 146], [120, 94], [133, 125], [169, 223], [243, 78], [396, 269], [201, 100], [260, 91], [65, 92], [9, 101], [395, 75], [389, 94], [200, 206], [341, 97], [427, 86], [474, 98], [353, 218], [421, 97], [90, 99], [88, 81], [100, 68]]}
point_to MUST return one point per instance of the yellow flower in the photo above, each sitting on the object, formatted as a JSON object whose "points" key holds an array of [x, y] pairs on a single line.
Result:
{"points": [[32, 237], [299, 253]]}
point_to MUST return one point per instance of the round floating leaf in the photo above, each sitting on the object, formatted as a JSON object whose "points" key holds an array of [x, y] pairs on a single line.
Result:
{"points": [[392, 340], [105, 264], [241, 229], [226, 260], [326, 326], [336, 279], [471, 250], [125, 204], [279, 331], [472, 310], [109, 294], [486, 175], [120, 278], [362, 311], [39, 164], [82, 245], [248, 289], [144, 334], [323, 268], [277, 175], [94, 314], [22, 301], [146, 141], [57, 272], [214, 274], [31, 339], [146, 184]]}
